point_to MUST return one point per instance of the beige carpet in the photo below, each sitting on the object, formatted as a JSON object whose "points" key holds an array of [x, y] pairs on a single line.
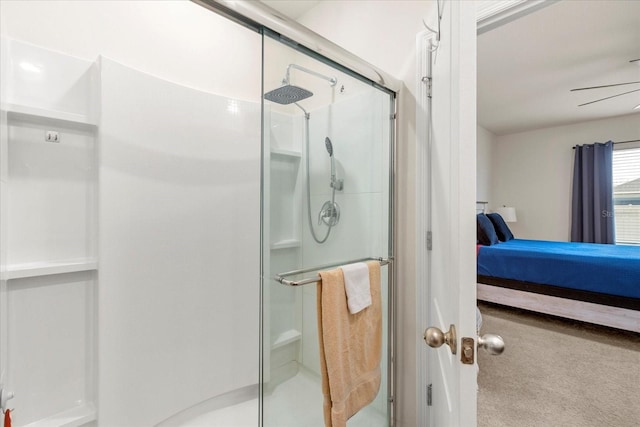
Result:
{"points": [[557, 373]]}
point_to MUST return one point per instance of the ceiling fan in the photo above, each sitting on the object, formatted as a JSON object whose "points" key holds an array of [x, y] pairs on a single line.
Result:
{"points": [[611, 85]]}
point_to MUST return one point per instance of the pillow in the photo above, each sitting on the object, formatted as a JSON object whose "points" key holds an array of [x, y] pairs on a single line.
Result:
{"points": [[502, 230], [486, 233]]}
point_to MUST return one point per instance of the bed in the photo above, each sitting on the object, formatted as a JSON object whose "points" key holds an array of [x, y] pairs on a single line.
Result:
{"points": [[583, 281]]}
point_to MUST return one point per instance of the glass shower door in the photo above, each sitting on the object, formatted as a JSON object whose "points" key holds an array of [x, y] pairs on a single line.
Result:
{"points": [[327, 153]]}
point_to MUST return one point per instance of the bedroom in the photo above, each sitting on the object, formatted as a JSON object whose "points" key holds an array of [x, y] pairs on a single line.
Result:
{"points": [[525, 156], [528, 123]]}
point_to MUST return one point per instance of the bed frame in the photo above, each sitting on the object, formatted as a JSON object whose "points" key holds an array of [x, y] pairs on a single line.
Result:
{"points": [[601, 309], [591, 307]]}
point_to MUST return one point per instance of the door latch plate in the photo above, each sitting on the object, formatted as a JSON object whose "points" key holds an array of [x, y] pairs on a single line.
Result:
{"points": [[468, 351]]}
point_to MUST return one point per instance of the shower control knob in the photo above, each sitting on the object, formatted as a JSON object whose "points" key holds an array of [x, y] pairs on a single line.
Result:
{"points": [[329, 214]]}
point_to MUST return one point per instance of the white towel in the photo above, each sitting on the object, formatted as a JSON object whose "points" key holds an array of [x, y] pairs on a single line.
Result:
{"points": [[356, 284]]}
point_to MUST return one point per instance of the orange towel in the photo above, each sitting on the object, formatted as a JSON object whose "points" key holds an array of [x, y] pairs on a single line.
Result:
{"points": [[350, 347]]}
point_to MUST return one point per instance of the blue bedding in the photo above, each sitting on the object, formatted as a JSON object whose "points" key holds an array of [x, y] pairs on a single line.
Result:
{"points": [[608, 269]]}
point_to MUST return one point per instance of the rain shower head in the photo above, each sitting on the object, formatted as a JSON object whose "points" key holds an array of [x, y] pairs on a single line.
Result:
{"points": [[329, 146], [287, 94]]}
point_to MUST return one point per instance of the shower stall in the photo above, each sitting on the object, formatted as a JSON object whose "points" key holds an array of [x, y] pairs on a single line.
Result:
{"points": [[164, 214], [326, 203]]}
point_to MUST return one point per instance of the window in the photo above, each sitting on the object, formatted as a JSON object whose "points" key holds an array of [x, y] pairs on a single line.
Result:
{"points": [[626, 195]]}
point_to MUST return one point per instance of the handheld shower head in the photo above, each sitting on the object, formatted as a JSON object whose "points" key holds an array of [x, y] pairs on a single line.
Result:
{"points": [[329, 146], [336, 184]]}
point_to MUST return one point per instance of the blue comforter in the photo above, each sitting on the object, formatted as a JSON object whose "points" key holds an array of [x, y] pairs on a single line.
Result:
{"points": [[608, 269]]}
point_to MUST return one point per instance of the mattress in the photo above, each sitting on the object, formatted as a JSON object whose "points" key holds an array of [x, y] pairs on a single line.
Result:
{"points": [[607, 269]]}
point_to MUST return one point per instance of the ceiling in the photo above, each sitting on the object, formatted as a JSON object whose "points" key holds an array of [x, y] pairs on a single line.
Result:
{"points": [[527, 67]]}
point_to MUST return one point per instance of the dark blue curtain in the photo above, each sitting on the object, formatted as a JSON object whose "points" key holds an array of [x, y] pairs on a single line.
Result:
{"points": [[592, 199]]}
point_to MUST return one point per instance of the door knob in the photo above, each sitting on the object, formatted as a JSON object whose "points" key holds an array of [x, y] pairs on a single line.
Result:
{"points": [[434, 337], [493, 344]]}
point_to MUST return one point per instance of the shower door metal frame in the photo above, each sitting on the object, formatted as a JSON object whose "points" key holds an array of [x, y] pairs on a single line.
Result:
{"points": [[258, 17]]}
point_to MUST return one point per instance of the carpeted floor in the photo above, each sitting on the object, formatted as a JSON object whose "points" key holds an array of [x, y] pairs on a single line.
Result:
{"points": [[557, 372]]}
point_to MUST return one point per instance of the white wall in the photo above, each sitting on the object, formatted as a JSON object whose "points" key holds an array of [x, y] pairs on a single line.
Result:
{"points": [[533, 170], [178, 320], [484, 164], [384, 34], [150, 36]]}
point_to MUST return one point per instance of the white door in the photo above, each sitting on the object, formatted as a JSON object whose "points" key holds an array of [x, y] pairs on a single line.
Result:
{"points": [[446, 208]]}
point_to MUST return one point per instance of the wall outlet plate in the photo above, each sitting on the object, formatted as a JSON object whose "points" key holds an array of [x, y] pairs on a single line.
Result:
{"points": [[51, 136]]}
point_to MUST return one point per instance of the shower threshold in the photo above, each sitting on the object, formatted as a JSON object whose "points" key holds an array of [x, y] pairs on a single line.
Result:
{"points": [[281, 411]]}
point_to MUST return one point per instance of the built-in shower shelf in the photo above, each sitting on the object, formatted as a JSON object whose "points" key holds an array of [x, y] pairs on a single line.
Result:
{"points": [[34, 269], [286, 153], [34, 112], [71, 418], [286, 244], [286, 337]]}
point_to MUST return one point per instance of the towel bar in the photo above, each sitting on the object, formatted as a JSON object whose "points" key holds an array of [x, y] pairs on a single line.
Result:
{"points": [[280, 278]]}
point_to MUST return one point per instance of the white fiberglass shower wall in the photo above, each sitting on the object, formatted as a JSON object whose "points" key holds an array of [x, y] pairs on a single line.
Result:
{"points": [[130, 214]]}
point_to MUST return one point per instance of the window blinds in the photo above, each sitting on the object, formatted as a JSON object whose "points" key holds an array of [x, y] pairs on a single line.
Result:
{"points": [[626, 195]]}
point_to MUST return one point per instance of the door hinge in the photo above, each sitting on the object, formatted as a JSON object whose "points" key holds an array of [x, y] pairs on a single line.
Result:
{"points": [[428, 82], [429, 399], [393, 116], [429, 240]]}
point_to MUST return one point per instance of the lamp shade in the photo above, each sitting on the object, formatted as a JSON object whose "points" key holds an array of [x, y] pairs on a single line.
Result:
{"points": [[508, 213]]}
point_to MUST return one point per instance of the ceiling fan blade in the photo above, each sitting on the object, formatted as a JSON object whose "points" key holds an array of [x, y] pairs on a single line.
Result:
{"points": [[635, 60], [609, 97], [598, 87]]}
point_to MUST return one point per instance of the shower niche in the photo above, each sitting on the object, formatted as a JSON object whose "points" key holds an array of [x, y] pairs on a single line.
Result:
{"points": [[48, 235], [285, 168], [284, 246]]}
